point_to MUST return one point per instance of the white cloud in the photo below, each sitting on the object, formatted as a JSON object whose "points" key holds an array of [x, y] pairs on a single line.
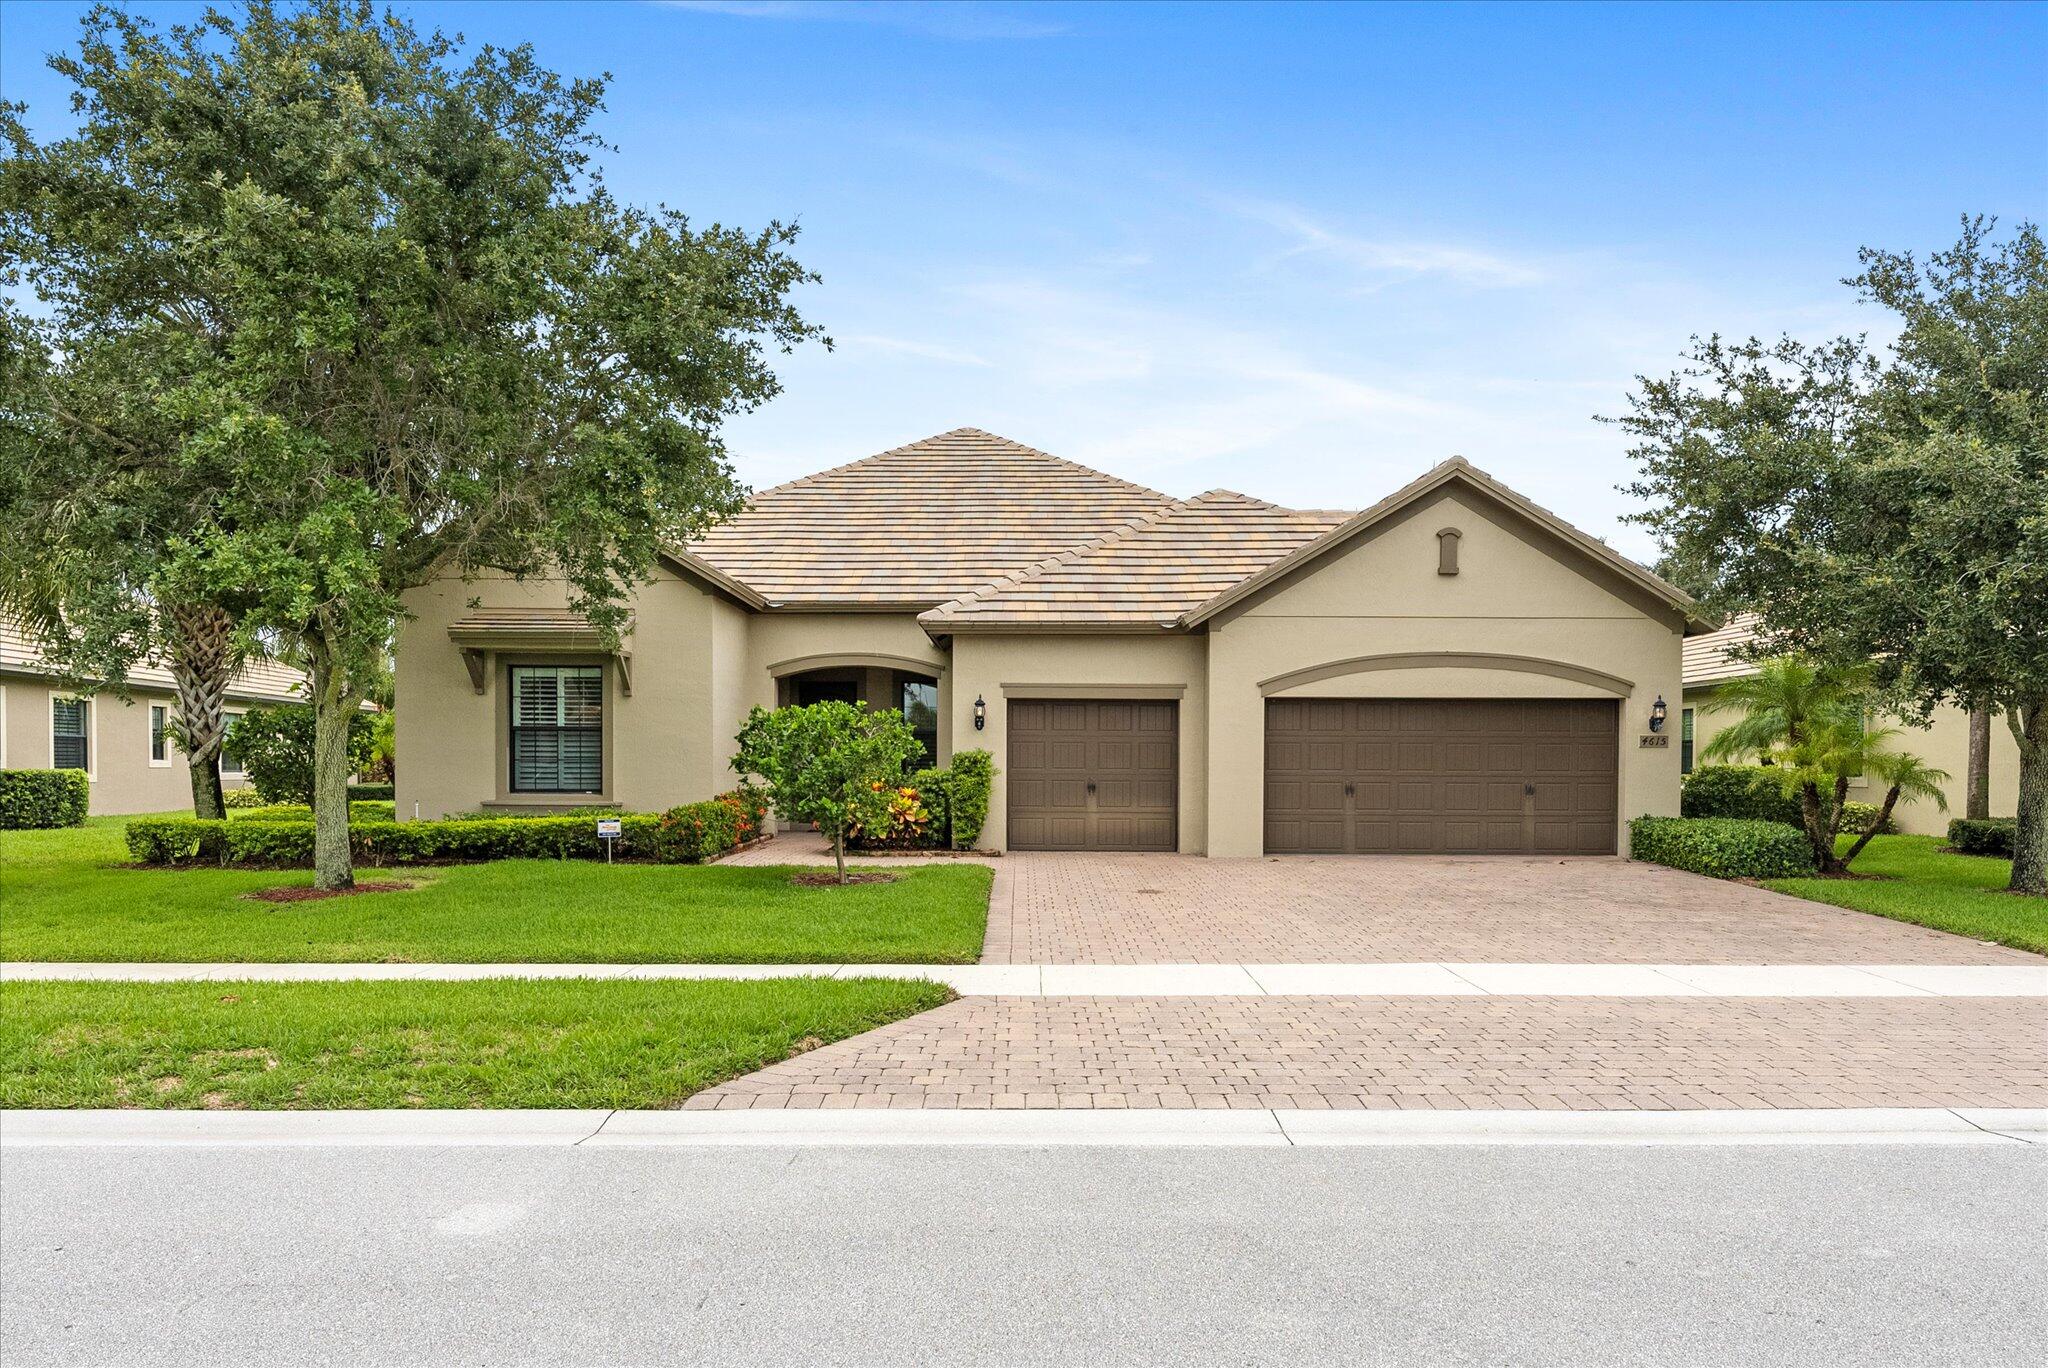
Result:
{"points": [[1379, 258]]}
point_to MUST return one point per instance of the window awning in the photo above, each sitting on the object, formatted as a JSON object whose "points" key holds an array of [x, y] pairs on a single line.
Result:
{"points": [[539, 630]]}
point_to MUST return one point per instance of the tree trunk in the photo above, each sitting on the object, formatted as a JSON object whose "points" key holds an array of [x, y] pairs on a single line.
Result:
{"points": [[2029, 723], [332, 704], [202, 663], [1977, 787], [1884, 814], [1818, 834], [839, 853]]}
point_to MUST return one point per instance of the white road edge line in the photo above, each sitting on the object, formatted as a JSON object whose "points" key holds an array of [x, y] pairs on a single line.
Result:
{"points": [[597, 1129]]}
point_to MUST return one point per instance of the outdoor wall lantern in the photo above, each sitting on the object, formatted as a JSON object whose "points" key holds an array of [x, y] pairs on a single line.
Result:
{"points": [[981, 712], [1658, 712]]}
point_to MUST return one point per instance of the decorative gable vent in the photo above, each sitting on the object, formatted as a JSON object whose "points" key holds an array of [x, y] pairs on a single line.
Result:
{"points": [[1447, 551]]}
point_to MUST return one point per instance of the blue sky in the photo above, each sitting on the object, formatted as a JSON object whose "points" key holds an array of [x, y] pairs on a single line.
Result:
{"points": [[1302, 252]]}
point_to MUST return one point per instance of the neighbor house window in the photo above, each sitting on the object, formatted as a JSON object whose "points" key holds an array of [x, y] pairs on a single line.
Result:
{"points": [[1685, 742], [70, 720], [159, 743], [920, 702], [557, 729], [230, 758]]}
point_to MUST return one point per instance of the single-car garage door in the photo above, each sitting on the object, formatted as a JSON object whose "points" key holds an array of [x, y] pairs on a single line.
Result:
{"points": [[1093, 774], [1489, 776]]}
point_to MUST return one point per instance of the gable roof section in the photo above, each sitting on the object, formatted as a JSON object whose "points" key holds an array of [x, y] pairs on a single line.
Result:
{"points": [[917, 525], [1457, 470], [1709, 657], [1149, 573]]}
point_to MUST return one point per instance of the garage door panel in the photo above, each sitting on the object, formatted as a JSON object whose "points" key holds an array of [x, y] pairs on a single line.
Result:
{"points": [[1469, 775], [1093, 774]]}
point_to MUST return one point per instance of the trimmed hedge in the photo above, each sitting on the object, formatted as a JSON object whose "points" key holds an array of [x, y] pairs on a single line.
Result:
{"points": [[1723, 847], [299, 812], [687, 834], [372, 793], [1753, 793], [244, 798], [35, 799], [1983, 835]]}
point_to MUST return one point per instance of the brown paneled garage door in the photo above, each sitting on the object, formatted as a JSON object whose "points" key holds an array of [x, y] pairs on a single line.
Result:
{"points": [[1093, 774], [1489, 776]]}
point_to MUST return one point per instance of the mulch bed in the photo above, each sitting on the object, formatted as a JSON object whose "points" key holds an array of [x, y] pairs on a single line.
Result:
{"points": [[830, 879], [307, 893]]}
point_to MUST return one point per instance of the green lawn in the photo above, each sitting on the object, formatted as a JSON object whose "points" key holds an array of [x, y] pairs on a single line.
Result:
{"points": [[66, 895], [490, 1043], [1959, 893]]}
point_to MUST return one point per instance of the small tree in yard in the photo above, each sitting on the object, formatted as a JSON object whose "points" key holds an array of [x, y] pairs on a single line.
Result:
{"points": [[1886, 510], [275, 745], [1806, 721], [426, 341], [834, 764]]}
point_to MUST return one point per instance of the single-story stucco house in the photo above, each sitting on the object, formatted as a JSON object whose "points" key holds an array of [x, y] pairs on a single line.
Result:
{"points": [[1714, 658], [121, 744], [1452, 669]]}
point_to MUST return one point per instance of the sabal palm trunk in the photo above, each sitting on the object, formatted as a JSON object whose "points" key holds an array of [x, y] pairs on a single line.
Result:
{"points": [[202, 659]]}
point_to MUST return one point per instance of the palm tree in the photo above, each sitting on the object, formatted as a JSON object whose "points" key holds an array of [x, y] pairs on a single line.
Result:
{"points": [[1806, 719]]}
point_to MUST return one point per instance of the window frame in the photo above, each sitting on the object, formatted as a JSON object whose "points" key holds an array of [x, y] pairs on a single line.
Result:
{"points": [[87, 736], [228, 718], [159, 736], [509, 747], [904, 682], [1685, 741]]}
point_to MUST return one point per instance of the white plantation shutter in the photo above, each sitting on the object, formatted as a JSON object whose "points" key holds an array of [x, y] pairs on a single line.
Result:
{"points": [[557, 729], [68, 725]]}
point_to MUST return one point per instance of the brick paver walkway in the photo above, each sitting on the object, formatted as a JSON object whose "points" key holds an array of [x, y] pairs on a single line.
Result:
{"points": [[1446, 1052], [1183, 909]]}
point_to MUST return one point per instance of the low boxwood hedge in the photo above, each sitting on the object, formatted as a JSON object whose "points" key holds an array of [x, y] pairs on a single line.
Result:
{"points": [[371, 793], [1723, 847], [33, 799], [1755, 793], [1983, 835], [682, 835], [299, 812]]}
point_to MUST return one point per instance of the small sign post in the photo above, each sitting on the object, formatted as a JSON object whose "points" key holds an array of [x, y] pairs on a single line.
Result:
{"points": [[608, 829]]}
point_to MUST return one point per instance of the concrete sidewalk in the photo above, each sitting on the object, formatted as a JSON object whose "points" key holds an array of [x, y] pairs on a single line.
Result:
{"points": [[1259, 1126], [1191, 980]]}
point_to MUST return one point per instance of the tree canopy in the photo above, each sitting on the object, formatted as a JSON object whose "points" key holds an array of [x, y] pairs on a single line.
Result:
{"points": [[1888, 507], [834, 764], [424, 339]]}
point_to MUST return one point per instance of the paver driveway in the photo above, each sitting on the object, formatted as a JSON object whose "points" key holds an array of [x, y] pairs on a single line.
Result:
{"points": [[1423, 1052], [1184, 909]]}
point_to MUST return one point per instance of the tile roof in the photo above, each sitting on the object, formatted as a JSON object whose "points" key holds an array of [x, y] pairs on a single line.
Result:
{"points": [[265, 681], [918, 525], [1707, 658], [1147, 573]]}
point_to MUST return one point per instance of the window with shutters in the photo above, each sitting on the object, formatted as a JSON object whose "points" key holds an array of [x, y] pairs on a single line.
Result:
{"points": [[557, 729], [70, 720]]}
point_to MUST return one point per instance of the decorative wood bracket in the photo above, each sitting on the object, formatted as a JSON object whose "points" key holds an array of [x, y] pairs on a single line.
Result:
{"points": [[625, 659], [474, 660]]}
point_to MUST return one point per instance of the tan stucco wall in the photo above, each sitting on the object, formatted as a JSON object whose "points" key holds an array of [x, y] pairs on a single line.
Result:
{"points": [[998, 668], [123, 779], [1944, 744], [660, 746], [1517, 593]]}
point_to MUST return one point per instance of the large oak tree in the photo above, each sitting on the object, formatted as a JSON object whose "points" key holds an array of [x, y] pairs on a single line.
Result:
{"points": [[1892, 507], [443, 345]]}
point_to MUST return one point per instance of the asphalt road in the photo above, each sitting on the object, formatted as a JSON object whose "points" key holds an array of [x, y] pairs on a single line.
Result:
{"points": [[1723, 1256]]}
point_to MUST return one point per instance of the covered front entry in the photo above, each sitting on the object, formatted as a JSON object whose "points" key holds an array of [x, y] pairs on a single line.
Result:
{"points": [[1478, 776], [1093, 774]]}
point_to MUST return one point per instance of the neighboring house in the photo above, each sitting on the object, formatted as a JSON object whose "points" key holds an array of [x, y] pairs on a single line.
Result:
{"points": [[120, 744], [1453, 669], [1712, 658]]}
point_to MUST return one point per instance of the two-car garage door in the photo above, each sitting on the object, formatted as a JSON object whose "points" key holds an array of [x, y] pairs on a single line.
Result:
{"points": [[1492, 776]]}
